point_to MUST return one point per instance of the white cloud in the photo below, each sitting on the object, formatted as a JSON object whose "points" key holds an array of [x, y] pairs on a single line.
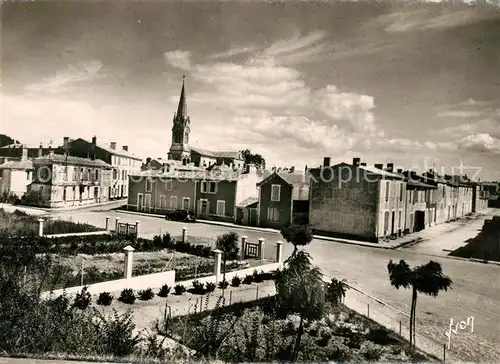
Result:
{"points": [[65, 79], [482, 142], [232, 52], [179, 59]]}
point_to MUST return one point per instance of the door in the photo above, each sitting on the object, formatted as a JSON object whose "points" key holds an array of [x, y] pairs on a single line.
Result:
{"points": [[239, 216], [419, 220], [96, 194], [392, 222], [147, 201], [140, 202], [204, 207], [253, 217]]}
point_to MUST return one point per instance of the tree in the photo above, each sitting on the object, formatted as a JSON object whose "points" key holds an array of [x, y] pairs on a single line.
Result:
{"points": [[427, 278], [335, 291], [250, 158], [228, 243], [297, 235], [300, 290]]}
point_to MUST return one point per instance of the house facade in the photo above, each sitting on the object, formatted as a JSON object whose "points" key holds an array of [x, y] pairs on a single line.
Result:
{"points": [[283, 199], [357, 201], [65, 181], [123, 162]]}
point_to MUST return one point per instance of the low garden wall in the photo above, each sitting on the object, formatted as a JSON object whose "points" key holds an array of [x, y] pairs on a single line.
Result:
{"points": [[155, 280]]}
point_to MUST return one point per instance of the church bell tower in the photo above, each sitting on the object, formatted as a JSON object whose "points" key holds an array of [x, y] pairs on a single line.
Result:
{"points": [[179, 149]]}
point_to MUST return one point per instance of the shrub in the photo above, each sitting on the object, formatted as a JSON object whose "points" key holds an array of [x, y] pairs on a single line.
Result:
{"points": [[257, 277], [370, 351], [210, 286], [146, 295], [198, 288], [236, 281], [164, 291], [248, 279], [82, 299], [223, 284], [104, 299], [127, 296], [179, 289]]}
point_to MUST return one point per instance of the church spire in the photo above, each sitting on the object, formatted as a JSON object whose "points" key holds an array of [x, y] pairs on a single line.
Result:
{"points": [[182, 108]]}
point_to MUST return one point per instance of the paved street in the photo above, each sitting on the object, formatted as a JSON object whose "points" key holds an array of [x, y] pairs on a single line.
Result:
{"points": [[475, 291]]}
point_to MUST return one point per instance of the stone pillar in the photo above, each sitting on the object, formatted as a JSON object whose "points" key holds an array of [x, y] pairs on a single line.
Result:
{"points": [[261, 248], [108, 223], [129, 257], [218, 265], [137, 227], [40, 227], [116, 224], [184, 234], [243, 247], [279, 252]]}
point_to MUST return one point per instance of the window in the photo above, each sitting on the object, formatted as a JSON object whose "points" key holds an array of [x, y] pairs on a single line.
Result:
{"points": [[400, 219], [115, 174], [185, 203], [386, 222], [64, 194], [163, 202], [65, 174], [73, 169], [273, 214], [74, 193], [387, 188], [177, 136], [208, 187], [186, 137], [168, 185], [82, 177], [149, 185], [401, 192], [96, 174], [89, 174], [173, 202], [275, 192], [147, 200], [221, 207]]}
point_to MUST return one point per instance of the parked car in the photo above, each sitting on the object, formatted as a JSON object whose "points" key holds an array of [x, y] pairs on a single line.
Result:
{"points": [[181, 215]]}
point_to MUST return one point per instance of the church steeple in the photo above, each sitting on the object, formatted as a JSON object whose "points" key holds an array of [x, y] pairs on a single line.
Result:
{"points": [[179, 149], [182, 108]]}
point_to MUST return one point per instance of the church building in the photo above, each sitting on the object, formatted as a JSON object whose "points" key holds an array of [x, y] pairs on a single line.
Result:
{"points": [[181, 151]]}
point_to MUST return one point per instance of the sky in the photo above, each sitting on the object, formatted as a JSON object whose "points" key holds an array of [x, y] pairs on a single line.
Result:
{"points": [[415, 84]]}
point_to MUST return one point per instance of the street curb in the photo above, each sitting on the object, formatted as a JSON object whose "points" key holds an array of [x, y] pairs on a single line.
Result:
{"points": [[473, 260]]}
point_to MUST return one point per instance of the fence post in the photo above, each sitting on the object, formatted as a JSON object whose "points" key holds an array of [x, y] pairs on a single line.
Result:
{"points": [[230, 297], [116, 224], [81, 280], [368, 310], [108, 225], [261, 248], [279, 252], [243, 247], [400, 327], [40, 227], [217, 267], [137, 227], [129, 256], [184, 234], [444, 353], [257, 293]]}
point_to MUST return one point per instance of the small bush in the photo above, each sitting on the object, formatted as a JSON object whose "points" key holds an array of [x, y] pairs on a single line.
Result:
{"points": [[223, 284], [104, 299], [248, 279], [164, 291], [179, 289], [198, 288], [82, 299], [257, 277], [370, 351], [236, 281], [127, 296], [210, 286], [146, 295]]}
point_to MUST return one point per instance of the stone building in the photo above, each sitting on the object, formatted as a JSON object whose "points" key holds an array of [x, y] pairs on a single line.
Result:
{"points": [[64, 181], [15, 174]]}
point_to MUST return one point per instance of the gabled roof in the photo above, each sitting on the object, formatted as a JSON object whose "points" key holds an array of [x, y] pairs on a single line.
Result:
{"points": [[292, 179], [217, 154], [194, 174], [248, 202], [412, 183], [70, 160], [107, 148], [380, 172]]}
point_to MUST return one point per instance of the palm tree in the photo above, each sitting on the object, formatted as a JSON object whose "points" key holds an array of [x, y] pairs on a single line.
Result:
{"points": [[427, 279], [335, 291], [300, 290], [227, 243]]}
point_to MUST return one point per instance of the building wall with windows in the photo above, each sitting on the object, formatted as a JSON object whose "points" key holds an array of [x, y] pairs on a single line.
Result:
{"points": [[15, 176], [275, 202], [391, 208], [216, 199]]}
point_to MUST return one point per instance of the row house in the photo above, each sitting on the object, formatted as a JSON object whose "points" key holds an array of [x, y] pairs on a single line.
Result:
{"points": [[213, 194], [65, 181], [18, 150], [124, 163], [283, 199], [16, 174], [357, 201]]}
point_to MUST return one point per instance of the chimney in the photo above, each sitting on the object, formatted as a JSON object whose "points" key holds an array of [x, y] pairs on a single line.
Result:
{"points": [[65, 142], [379, 165], [356, 161], [40, 150], [125, 148], [305, 169], [292, 169], [400, 170], [363, 164], [390, 167], [24, 153], [94, 140], [112, 145], [273, 169], [326, 162]]}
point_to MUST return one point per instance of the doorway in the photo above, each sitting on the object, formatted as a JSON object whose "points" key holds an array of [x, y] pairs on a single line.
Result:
{"points": [[140, 202]]}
